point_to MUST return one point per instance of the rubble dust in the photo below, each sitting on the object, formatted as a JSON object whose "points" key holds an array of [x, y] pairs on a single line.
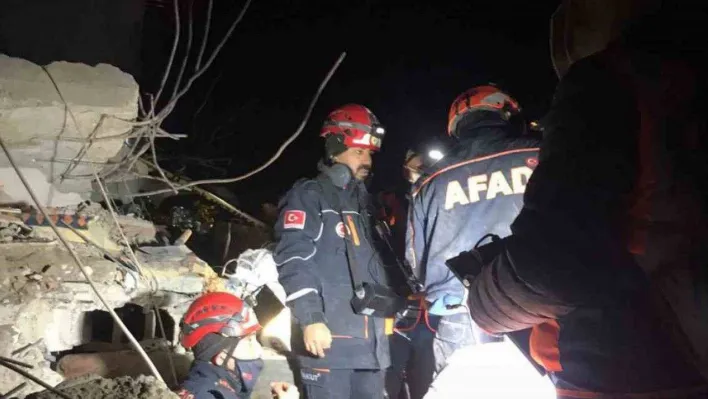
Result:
{"points": [[94, 387]]}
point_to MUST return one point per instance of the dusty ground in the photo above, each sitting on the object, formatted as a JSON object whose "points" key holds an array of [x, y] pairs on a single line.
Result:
{"points": [[276, 369], [142, 387], [119, 388]]}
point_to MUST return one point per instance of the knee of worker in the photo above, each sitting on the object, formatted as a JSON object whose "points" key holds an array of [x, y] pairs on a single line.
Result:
{"points": [[472, 334], [480, 337], [458, 330]]}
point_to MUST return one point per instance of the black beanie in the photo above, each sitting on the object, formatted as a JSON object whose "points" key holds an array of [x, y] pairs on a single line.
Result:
{"points": [[334, 145], [468, 125], [211, 345]]}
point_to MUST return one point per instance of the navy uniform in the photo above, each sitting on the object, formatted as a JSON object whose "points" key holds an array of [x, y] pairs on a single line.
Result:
{"points": [[477, 188], [314, 270]]}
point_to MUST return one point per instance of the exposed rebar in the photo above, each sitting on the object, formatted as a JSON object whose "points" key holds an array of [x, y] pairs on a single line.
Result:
{"points": [[33, 378], [80, 265]]}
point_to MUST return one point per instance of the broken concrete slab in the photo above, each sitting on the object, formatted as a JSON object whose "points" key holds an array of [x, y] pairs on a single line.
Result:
{"points": [[46, 301], [45, 298], [176, 269], [137, 231], [97, 234], [46, 116]]}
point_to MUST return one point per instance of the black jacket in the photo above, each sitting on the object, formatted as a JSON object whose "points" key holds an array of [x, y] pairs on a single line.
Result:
{"points": [[207, 381], [568, 270]]}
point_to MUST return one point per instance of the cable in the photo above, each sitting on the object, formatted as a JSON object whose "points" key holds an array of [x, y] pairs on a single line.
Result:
{"points": [[80, 265], [494, 238], [115, 220], [167, 350], [277, 153]]}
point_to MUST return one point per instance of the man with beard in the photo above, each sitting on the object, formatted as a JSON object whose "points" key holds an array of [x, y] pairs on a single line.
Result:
{"points": [[325, 250]]}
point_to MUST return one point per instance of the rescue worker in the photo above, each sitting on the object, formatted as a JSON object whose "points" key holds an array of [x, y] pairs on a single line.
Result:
{"points": [[618, 195], [412, 166], [220, 329], [342, 354], [393, 203], [475, 188]]}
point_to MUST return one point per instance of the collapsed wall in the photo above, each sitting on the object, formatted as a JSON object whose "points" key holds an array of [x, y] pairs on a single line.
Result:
{"points": [[51, 115], [61, 123], [50, 318]]}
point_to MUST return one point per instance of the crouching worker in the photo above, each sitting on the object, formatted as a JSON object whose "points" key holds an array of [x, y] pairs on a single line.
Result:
{"points": [[220, 329]]}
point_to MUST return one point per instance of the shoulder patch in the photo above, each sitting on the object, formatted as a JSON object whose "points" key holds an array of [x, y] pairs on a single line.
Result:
{"points": [[294, 219]]}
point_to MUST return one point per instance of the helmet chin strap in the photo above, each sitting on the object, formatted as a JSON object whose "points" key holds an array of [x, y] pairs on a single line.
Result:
{"points": [[209, 348], [229, 350]]}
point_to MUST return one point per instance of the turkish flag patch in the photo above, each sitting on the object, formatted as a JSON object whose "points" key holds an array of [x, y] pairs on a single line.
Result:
{"points": [[294, 220]]}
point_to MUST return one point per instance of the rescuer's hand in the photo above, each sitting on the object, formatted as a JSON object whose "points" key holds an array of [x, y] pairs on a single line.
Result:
{"points": [[283, 390], [317, 339]]}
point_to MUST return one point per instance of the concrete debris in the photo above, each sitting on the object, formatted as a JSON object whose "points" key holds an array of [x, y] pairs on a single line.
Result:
{"points": [[60, 121], [10, 232], [10, 339], [51, 319], [45, 300], [178, 269], [13, 230], [94, 387], [46, 116], [137, 231]]}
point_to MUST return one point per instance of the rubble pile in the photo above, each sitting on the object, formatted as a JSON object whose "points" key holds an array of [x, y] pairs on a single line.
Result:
{"points": [[13, 231], [95, 387], [48, 310], [62, 122]]}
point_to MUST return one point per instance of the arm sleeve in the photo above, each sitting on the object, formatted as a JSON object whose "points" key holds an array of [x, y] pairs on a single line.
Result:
{"points": [[415, 238], [567, 247], [430, 243], [297, 231]]}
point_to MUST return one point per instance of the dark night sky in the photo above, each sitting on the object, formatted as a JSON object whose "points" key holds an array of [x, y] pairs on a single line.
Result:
{"points": [[405, 61]]}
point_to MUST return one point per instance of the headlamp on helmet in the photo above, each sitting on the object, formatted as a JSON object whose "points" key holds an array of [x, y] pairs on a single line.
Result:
{"points": [[356, 125]]}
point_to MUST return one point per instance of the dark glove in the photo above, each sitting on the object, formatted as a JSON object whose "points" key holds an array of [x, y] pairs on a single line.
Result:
{"points": [[468, 265]]}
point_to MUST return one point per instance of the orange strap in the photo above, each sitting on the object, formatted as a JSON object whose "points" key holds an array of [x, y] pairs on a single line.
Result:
{"points": [[352, 229], [388, 325], [669, 394], [322, 370], [543, 345]]}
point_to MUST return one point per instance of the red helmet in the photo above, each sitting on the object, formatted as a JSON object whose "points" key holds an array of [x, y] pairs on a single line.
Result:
{"points": [[357, 124], [486, 98], [217, 312]]}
